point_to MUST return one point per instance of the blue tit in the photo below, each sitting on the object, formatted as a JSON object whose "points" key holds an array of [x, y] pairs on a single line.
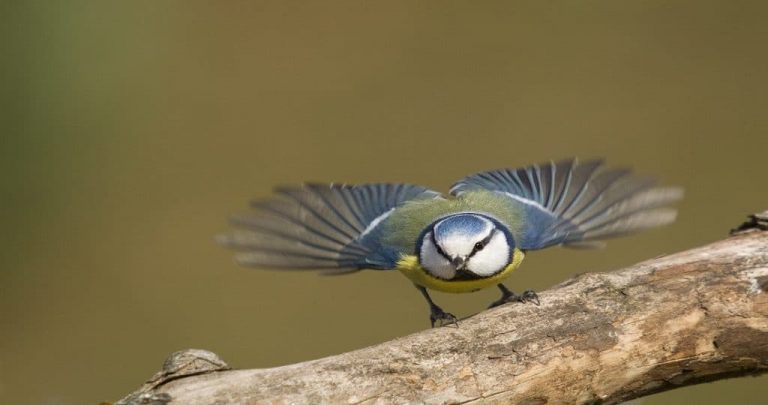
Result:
{"points": [[472, 239]]}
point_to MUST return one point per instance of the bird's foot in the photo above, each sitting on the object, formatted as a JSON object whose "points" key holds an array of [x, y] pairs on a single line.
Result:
{"points": [[526, 296], [442, 318]]}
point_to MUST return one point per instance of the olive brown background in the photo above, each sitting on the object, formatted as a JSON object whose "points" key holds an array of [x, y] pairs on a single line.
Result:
{"points": [[131, 131]]}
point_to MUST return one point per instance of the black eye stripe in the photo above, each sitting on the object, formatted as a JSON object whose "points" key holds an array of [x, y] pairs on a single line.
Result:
{"points": [[483, 243], [439, 250], [475, 249]]}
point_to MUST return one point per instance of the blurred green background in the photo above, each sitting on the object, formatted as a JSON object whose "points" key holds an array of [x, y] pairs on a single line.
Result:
{"points": [[132, 130]]}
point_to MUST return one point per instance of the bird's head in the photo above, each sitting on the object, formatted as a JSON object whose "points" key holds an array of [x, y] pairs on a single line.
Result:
{"points": [[465, 246]]}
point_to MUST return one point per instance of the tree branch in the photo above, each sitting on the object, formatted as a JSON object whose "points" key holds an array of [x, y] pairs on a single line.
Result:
{"points": [[695, 316]]}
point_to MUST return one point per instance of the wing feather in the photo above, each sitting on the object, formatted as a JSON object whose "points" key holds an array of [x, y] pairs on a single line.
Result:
{"points": [[321, 226], [574, 203]]}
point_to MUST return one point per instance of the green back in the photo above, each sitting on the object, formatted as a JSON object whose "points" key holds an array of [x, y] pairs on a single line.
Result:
{"points": [[408, 221]]}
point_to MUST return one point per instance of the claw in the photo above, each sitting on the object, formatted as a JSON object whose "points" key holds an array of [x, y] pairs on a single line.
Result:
{"points": [[530, 296], [509, 296], [436, 314], [442, 318]]}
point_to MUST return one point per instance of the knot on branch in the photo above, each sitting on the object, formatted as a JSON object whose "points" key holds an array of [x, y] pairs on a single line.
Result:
{"points": [[754, 222], [183, 363]]}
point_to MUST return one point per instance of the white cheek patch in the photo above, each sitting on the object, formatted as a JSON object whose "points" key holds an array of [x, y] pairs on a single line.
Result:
{"points": [[493, 258], [433, 262]]}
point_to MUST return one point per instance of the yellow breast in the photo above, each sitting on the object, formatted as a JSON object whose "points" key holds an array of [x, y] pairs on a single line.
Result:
{"points": [[410, 267]]}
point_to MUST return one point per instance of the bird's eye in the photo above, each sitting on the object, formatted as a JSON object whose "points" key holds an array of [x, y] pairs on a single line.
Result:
{"points": [[479, 245]]}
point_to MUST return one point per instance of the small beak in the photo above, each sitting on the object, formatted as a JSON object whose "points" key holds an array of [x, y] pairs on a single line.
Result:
{"points": [[458, 263]]}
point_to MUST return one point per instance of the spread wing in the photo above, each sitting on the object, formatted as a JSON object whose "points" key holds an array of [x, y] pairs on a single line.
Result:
{"points": [[321, 226], [576, 204]]}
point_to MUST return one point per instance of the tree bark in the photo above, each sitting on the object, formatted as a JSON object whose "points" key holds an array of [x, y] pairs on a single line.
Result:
{"points": [[695, 316]]}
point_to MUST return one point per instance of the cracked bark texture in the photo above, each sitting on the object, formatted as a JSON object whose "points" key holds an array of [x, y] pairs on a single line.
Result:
{"points": [[695, 316]]}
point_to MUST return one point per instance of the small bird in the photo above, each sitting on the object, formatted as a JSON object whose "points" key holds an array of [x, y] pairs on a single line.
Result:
{"points": [[472, 239]]}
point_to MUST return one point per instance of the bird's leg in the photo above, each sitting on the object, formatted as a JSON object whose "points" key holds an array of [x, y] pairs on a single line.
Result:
{"points": [[436, 314], [509, 296]]}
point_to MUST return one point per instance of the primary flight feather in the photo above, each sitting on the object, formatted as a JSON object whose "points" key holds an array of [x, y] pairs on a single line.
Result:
{"points": [[472, 239]]}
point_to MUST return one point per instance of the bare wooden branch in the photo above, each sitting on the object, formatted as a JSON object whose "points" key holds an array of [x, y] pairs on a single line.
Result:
{"points": [[694, 316]]}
